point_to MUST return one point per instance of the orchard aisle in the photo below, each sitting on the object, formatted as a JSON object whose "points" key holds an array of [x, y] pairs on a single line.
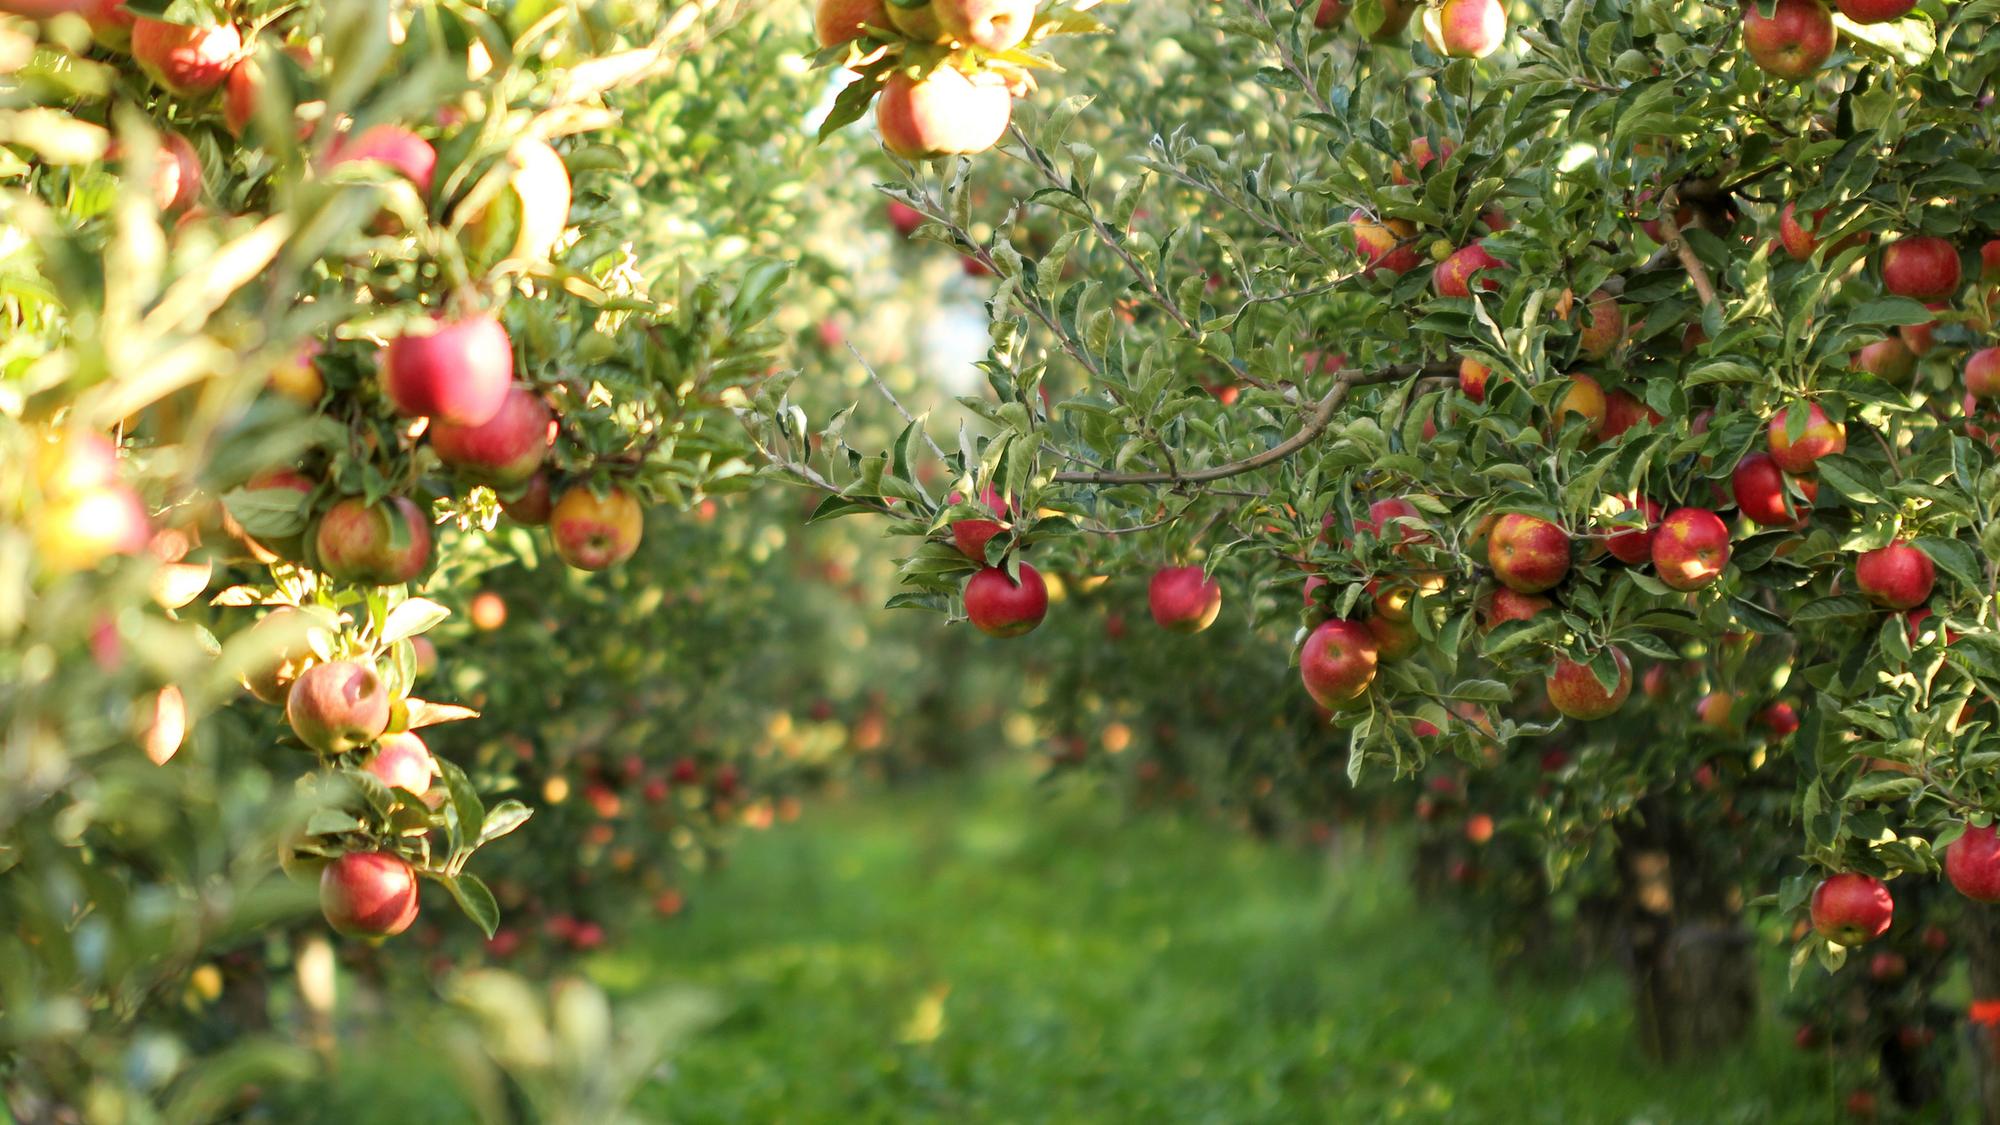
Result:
{"points": [[994, 952]]}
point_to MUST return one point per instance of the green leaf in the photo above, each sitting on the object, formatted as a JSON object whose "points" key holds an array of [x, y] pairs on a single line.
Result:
{"points": [[475, 899]]}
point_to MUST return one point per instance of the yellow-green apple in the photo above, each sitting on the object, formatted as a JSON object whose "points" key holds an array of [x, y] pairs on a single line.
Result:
{"points": [[1384, 245], [1584, 397], [297, 377], [1759, 487], [1603, 325], [1528, 554], [1622, 411], [1898, 576], [990, 25], [1875, 11], [368, 894], [524, 222], [1690, 548], [1455, 274], [274, 651], [1573, 688], [1716, 711], [841, 21], [458, 373], [338, 706], [1639, 519], [1504, 605], [592, 532], [1972, 863], [185, 61], [1888, 359], [944, 113], [400, 149], [381, 544], [1465, 29], [1822, 436], [1183, 600], [1852, 908], [402, 761], [1794, 41], [508, 449], [1338, 662], [1920, 267], [531, 504], [998, 606], [1982, 373]]}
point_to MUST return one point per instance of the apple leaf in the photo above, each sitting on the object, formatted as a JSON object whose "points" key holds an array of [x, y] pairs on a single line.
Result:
{"points": [[424, 713], [411, 618], [475, 899]]}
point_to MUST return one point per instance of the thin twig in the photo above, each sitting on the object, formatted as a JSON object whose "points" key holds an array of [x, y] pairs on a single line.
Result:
{"points": [[894, 401], [1697, 273]]}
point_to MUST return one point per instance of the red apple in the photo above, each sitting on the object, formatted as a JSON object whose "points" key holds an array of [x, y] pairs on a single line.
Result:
{"points": [[1472, 379], [1875, 11], [1528, 554], [275, 649], [1465, 29], [998, 606], [1888, 359], [1982, 373], [1395, 521], [1455, 274], [1972, 863], [1622, 411], [402, 761], [1505, 605], [1603, 325], [1852, 908], [1691, 548], [1479, 828], [944, 113], [459, 374], [338, 706], [839, 21], [393, 145], [593, 532], [1338, 662], [1716, 710], [110, 22], [1778, 720], [1330, 14], [533, 503], [1421, 156], [1183, 600], [905, 218], [1822, 436], [1921, 267], [1898, 576], [1573, 688], [369, 894], [990, 25], [971, 536], [1917, 337], [1793, 42], [381, 544], [1385, 245], [1635, 543], [508, 449], [185, 61], [1759, 487]]}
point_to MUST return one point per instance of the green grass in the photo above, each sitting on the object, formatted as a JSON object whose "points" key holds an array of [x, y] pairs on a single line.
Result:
{"points": [[993, 953]]}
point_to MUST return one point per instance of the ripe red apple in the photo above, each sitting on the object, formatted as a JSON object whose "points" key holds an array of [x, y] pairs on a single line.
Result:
{"points": [[1472, 378], [1479, 828], [1982, 373], [1800, 241], [110, 21], [1759, 487], [592, 532], [1183, 600], [1465, 29], [1778, 720], [1793, 42], [1395, 521], [185, 61], [1330, 13], [1585, 398], [1455, 274], [1898, 576], [1338, 662], [338, 706], [1420, 156], [369, 894], [533, 503], [1384, 245], [1635, 543], [998, 606], [1505, 605], [402, 761], [990, 25], [381, 544], [1917, 337], [1603, 325], [1822, 436], [402, 150], [1573, 688], [1972, 863], [972, 535], [1622, 411], [460, 373], [1888, 359], [1528, 554], [1875, 11], [1691, 548], [1852, 908], [839, 21], [508, 449], [1888, 966], [905, 218], [943, 114], [1920, 267], [1862, 1105], [1395, 638]]}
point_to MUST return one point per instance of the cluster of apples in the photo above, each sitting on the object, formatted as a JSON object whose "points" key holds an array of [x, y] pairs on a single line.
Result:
{"points": [[1797, 38], [1455, 29], [1339, 659], [941, 98]]}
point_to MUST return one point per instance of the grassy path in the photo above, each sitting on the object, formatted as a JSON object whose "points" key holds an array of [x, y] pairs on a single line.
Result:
{"points": [[992, 953]]}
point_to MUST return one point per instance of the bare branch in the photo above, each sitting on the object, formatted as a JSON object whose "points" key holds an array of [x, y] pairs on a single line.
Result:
{"points": [[1697, 273]]}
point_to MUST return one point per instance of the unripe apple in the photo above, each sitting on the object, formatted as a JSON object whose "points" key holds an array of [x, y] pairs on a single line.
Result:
{"points": [[1972, 863], [1338, 663], [402, 150], [1504, 605], [1898, 576], [1384, 245], [1634, 545], [841, 21], [1455, 274], [592, 532], [298, 377], [275, 650], [990, 25], [1465, 29], [185, 61], [1183, 600], [998, 606], [1528, 554], [1982, 373], [1852, 908], [1585, 398], [533, 503], [1920, 267], [1888, 359], [944, 113], [505, 451], [1822, 436], [1759, 487], [1622, 411], [1793, 42], [528, 217], [368, 894], [384, 544], [458, 374], [1690, 548], [338, 706], [402, 761], [1573, 688]]}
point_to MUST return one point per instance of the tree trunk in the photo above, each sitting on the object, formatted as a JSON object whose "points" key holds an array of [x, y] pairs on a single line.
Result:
{"points": [[1694, 979], [1980, 932]]}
